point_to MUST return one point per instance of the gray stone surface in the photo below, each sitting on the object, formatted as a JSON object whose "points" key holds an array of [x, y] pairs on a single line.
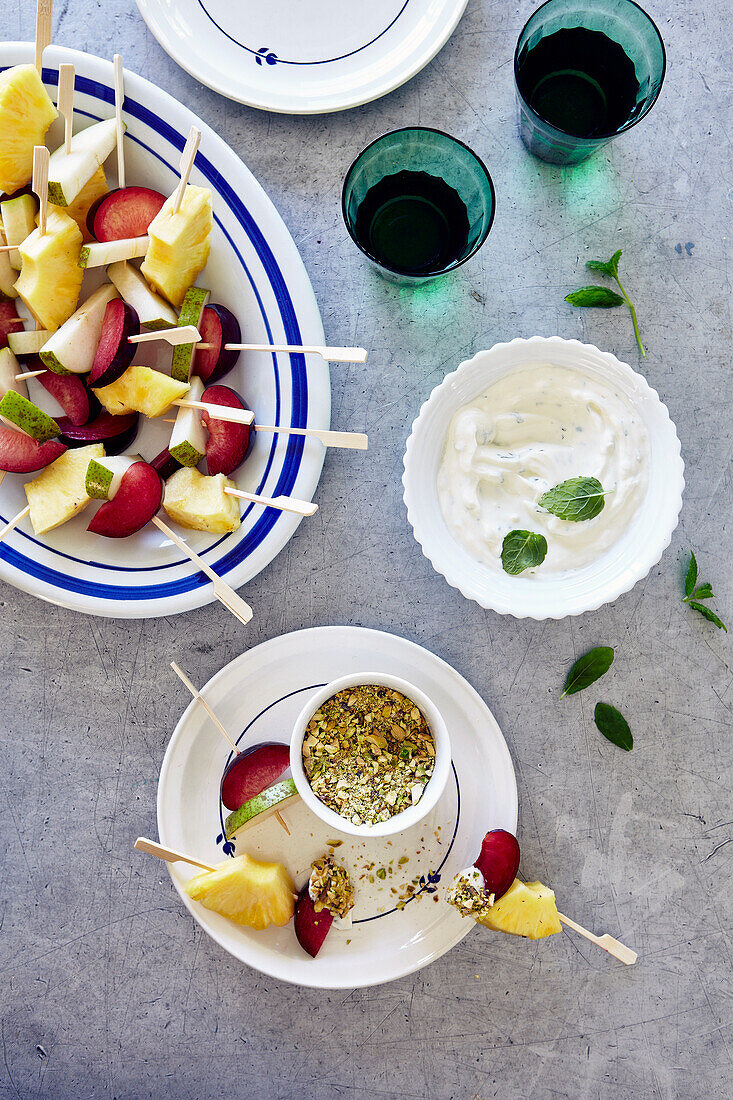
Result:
{"points": [[108, 988]]}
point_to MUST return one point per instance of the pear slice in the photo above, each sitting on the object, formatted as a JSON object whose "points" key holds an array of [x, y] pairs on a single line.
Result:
{"points": [[104, 476], [19, 221], [264, 805], [191, 310], [8, 274], [28, 341], [188, 438], [23, 414], [71, 348], [69, 172], [9, 367], [99, 253], [152, 309]]}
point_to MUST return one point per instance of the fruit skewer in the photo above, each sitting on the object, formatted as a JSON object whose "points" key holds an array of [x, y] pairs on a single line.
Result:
{"points": [[219, 725], [189, 334]]}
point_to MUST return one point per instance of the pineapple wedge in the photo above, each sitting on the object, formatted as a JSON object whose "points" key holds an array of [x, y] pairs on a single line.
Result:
{"points": [[199, 503], [141, 389], [26, 112], [247, 891], [527, 909], [59, 492], [179, 244], [50, 277], [92, 190]]}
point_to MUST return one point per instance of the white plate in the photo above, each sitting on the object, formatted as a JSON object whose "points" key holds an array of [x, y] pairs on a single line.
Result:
{"points": [[254, 269], [261, 693], [302, 57], [549, 595]]}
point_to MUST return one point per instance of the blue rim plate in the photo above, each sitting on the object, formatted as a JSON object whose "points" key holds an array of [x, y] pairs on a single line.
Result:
{"points": [[254, 269]]}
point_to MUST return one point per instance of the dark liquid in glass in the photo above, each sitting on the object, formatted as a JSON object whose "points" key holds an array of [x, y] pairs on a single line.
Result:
{"points": [[413, 223], [580, 81]]}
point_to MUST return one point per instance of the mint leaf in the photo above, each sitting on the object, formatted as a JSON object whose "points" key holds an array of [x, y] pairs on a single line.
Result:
{"points": [[577, 499], [522, 550], [609, 267], [691, 578], [599, 296], [613, 726], [709, 615], [703, 592], [587, 669]]}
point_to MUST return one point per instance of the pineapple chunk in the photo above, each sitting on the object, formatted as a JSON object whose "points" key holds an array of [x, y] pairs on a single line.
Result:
{"points": [[59, 492], [247, 891], [26, 112], [92, 190], [198, 502], [141, 389], [179, 244], [50, 277], [527, 909]]}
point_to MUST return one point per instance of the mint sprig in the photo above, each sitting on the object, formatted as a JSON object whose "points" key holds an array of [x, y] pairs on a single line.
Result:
{"points": [[603, 297], [695, 592]]}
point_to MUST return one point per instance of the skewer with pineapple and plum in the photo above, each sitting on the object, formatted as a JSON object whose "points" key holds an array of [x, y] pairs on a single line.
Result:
{"points": [[490, 893]]}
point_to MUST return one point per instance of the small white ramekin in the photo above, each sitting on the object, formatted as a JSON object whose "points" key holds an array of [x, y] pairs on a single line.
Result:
{"points": [[552, 595], [433, 788]]}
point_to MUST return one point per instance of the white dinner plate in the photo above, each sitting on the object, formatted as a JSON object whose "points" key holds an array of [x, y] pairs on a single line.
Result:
{"points": [[254, 269], [261, 694], [302, 58]]}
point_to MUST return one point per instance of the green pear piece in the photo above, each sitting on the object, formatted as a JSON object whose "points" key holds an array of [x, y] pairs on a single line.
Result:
{"points": [[262, 806]]}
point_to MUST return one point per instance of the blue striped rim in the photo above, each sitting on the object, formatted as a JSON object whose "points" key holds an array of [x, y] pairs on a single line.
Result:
{"points": [[294, 451]]}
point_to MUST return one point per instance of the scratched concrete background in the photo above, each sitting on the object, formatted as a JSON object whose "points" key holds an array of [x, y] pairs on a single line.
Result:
{"points": [[108, 988]]}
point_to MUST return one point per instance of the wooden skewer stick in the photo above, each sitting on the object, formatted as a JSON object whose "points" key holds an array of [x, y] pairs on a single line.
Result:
{"points": [[221, 728], [331, 355], [608, 943], [186, 334], [199, 698], [65, 102], [119, 82], [14, 522], [44, 28], [219, 412], [284, 504], [186, 164], [168, 854], [223, 592], [353, 441], [40, 184], [29, 374], [2, 476]]}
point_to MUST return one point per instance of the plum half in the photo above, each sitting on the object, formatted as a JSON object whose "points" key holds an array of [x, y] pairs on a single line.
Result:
{"points": [[19, 454], [124, 212], [116, 432], [498, 861], [9, 320], [311, 928], [114, 351], [133, 505], [228, 444], [252, 771], [218, 326], [165, 464], [71, 393]]}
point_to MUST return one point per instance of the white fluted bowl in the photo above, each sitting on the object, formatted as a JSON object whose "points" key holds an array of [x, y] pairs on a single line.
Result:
{"points": [[552, 595]]}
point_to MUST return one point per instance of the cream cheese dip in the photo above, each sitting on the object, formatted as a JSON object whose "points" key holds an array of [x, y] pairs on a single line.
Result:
{"points": [[524, 435]]}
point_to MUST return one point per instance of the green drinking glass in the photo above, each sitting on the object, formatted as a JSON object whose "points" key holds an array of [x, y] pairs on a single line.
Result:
{"points": [[585, 71], [418, 203]]}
